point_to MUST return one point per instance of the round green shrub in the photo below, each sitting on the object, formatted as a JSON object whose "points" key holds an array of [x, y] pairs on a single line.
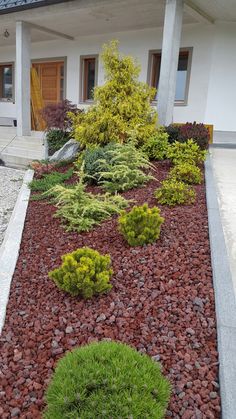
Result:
{"points": [[186, 172], [83, 272], [142, 225], [156, 146], [56, 138], [107, 380], [186, 152], [174, 192]]}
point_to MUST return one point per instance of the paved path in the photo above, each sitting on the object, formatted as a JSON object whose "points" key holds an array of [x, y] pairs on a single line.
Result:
{"points": [[224, 167], [10, 183]]}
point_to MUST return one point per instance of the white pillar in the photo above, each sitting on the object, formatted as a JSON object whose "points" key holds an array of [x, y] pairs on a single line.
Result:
{"points": [[23, 64], [169, 60]]}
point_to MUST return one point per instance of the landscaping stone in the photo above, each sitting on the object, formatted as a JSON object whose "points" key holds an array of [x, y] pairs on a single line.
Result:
{"points": [[67, 152], [159, 318]]}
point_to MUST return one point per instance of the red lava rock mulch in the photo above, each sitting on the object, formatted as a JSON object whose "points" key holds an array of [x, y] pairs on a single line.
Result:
{"points": [[162, 303]]}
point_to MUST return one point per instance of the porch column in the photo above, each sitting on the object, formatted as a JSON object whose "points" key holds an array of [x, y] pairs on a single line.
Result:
{"points": [[169, 60], [23, 64]]}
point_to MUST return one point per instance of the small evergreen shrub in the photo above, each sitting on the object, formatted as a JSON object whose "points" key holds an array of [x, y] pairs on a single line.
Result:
{"points": [[174, 192], [198, 132], [91, 159], [107, 380], [56, 138], [188, 152], [83, 272], [156, 146], [122, 108], [81, 210], [173, 132], [141, 225], [49, 180], [186, 172], [122, 168]]}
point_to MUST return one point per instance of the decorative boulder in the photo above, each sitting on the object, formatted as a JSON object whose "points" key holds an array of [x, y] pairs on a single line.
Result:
{"points": [[67, 152]]}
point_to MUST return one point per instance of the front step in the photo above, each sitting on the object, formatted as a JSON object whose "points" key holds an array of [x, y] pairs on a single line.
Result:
{"points": [[21, 152]]}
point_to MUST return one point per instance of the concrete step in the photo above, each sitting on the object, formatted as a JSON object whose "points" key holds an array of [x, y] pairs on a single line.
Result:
{"points": [[18, 162]]}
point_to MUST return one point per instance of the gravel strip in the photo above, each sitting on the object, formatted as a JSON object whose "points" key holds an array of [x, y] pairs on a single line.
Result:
{"points": [[162, 303], [10, 184]]}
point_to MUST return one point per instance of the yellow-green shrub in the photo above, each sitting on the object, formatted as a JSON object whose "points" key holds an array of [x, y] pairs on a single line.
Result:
{"points": [[174, 192], [186, 172], [141, 225], [83, 272], [188, 152], [156, 146], [122, 107]]}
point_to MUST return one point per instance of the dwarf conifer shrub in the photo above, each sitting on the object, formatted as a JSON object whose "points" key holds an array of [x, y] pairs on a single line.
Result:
{"points": [[107, 380], [141, 225], [156, 146], [83, 272], [173, 192], [122, 107], [48, 181], [188, 152], [186, 172], [123, 168], [81, 210], [91, 159]]}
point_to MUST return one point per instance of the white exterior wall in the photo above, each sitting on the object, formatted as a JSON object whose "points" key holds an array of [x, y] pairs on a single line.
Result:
{"points": [[212, 87]]}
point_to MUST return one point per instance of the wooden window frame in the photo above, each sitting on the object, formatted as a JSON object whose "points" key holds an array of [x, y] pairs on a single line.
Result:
{"points": [[83, 58], [12, 100], [151, 76]]}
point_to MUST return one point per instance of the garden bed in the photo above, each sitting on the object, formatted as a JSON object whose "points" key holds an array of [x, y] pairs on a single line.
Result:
{"points": [[162, 303]]}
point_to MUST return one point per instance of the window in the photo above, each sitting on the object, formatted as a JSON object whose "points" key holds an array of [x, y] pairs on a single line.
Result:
{"points": [[183, 73], [88, 65], [6, 82]]}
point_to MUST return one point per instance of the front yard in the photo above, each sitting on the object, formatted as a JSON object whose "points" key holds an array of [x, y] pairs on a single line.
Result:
{"points": [[162, 303]]}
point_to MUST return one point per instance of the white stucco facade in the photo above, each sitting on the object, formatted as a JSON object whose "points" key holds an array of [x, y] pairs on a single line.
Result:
{"points": [[212, 86]]}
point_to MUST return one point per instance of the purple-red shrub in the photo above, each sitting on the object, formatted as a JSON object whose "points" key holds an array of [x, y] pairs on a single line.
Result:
{"points": [[56, 115], [198, 132]]}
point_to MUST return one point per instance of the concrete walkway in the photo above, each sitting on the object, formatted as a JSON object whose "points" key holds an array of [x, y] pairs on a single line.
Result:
{"points": [[10, 184], [224, 169]]}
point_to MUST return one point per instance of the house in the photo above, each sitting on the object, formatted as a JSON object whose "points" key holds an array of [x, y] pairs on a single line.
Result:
{"points": [[186, 48]]}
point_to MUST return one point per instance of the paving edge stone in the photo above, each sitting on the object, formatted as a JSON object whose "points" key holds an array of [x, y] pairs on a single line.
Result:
{"points": [[10, 247], [225, 301]]}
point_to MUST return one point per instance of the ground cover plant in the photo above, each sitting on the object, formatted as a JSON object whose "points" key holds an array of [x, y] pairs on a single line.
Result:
{"points": [[141, 225], [174, 192], [122, 109], [109, 378], [83, 272], [48, 181], [81, 210]]}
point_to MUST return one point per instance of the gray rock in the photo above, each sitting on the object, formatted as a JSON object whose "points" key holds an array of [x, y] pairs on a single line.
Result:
{"points": [[67, 152], [101, 318], [15, 412], [69, 329]]}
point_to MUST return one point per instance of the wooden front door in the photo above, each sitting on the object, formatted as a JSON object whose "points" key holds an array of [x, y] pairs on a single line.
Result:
{"points": [[51, 79]]}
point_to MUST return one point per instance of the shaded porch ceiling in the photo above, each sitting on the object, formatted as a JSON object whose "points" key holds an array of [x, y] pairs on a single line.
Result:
{"points": [[93, 17]]}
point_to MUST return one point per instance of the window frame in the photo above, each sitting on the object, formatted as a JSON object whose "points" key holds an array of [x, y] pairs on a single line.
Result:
{"points": [[189, 66], [83, 58], [12, 64]]}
